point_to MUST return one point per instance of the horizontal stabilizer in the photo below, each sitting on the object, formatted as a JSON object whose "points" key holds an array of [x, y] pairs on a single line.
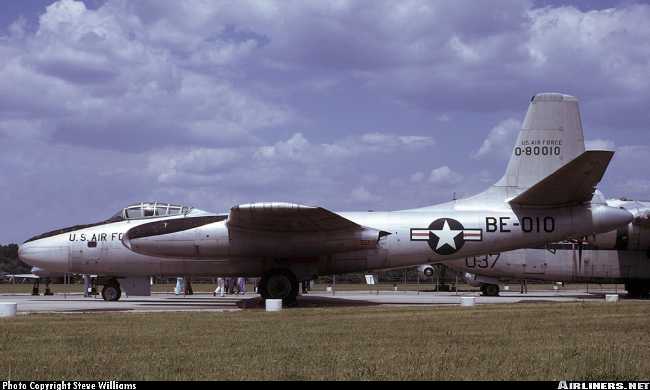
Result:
{"points": [[572, 183], [287, 217]]}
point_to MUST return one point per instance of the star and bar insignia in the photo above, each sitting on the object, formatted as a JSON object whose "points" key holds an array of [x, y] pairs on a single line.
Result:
{"points": [[446, 235]]}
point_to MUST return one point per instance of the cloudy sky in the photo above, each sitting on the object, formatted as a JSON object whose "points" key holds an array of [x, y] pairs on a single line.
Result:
{"points": [[351, 105]]}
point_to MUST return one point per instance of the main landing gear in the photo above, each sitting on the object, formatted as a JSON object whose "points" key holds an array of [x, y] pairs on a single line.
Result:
{"points": [[111, 290], [490, 290], [279, 284]]}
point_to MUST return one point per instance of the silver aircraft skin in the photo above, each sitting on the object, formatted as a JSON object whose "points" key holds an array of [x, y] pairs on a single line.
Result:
{"points": [[618, 256], [544, 196]]}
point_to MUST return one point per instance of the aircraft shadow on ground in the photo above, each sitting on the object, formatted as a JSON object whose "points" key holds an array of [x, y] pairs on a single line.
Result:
{"points": [[307, 302]]}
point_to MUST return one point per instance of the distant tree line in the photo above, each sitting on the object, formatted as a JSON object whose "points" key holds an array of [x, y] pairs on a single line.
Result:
{"points": [[9, 262]]}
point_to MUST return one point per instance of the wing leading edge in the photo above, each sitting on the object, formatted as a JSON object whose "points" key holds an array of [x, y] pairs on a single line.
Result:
{"points": [[287, 218]]}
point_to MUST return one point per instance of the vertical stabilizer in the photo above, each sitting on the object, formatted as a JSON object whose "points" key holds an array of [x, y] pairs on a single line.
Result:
{"points": [[550, 137]]}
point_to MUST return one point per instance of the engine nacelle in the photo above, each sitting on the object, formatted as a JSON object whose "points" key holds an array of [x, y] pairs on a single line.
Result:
{"points": [[634, 236], [426, 270], [477, 280], [210, 238]]}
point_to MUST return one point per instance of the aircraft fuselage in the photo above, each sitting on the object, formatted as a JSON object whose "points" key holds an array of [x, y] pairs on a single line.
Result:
{"points": [[391, 239]]}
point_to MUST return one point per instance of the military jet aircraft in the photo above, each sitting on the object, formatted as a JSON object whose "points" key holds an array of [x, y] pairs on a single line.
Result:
{"points": [[618, 256], [544, 196]]}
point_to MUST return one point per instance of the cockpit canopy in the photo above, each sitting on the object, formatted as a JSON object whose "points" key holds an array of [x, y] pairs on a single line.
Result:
{"points": [[134, 211], [153, 209]]}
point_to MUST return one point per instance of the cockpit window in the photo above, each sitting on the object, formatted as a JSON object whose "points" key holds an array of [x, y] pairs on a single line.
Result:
{"points": [[148, 211], [153, 209], [133, 212]]}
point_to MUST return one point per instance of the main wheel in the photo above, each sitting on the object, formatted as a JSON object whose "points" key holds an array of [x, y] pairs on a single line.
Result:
{"points": [[279, 284], [490, 290], [111, 292]]}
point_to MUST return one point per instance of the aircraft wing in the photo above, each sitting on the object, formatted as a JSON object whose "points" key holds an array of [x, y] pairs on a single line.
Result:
{"points": [[278, 230], [573, 183], [287, 218]]}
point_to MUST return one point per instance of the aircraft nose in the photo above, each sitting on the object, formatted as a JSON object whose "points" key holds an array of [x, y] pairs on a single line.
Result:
{"points": [[24, 253], [44, 255]]}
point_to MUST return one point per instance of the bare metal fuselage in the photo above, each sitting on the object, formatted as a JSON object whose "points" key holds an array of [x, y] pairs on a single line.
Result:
{"points": [[615, 256], [559, 265], [214, 249]]}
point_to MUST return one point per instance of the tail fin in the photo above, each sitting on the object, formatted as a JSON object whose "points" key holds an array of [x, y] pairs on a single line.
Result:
{"points": [[548, 166], [550, 137]]}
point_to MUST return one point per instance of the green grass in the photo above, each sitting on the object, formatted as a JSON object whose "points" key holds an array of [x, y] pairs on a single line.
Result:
{"points": [[584, 341]]}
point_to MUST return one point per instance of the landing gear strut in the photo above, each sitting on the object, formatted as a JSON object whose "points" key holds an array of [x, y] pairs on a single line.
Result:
{"points": [[279, 284], [111, 290], [490, 290]]}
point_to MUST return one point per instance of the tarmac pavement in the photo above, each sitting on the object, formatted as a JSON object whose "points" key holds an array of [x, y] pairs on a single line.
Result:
{"points": [[75, 303]]}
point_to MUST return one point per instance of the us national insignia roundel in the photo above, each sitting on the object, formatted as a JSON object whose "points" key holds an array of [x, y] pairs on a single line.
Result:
{"points": [[446, 235]]}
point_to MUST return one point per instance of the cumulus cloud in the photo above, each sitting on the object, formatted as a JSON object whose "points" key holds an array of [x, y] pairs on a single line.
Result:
{"points": [[104, 74], [392, 141], [500, 140], [599, 144], [298, 148], [213, 104], [444, 175], [417, 177], [361, 194]]}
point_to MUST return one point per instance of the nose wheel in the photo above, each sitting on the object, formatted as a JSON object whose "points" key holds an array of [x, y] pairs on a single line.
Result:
{"points": [[112, 292]]}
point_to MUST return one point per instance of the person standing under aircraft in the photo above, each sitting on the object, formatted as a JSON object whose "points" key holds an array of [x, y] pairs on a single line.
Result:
{"points": [[188, 287], [180, 286], [220, 288], [87, 286]]}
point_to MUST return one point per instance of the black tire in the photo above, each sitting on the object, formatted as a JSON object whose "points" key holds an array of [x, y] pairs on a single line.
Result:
{"points": [[111, 292], [428, 272], [279, 284], [490, 290]]}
